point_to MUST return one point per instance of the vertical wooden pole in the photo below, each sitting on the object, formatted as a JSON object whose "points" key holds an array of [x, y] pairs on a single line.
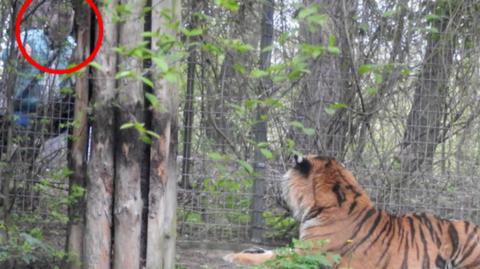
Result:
{"points": [[100, 180], [260, 128], [77, 151], [162, 196], [130, 149]]}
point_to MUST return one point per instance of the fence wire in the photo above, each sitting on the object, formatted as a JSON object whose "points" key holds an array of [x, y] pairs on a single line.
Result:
{"points": [[407, 130], [415, 149]]}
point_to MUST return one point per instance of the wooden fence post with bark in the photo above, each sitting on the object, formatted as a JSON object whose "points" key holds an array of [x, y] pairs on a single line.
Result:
{"points": [[260, 128], [162, 184], [77, 152], [120, 232], [97, 249], [129, 148]]}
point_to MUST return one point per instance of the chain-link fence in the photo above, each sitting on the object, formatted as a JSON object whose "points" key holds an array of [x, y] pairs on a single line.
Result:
{"points": [[215, 197], [398, 106], [36, 117], [408, 134]]}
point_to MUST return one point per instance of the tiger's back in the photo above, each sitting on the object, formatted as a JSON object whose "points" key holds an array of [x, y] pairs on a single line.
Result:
{"points": [[330, 204], [381, 240]]}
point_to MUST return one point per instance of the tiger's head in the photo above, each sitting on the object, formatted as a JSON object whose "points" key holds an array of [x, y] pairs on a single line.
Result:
{"points": [[318, 185]]}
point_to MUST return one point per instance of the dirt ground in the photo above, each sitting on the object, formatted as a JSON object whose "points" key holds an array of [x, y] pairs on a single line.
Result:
{"points": [[203, 259], [207, 256]]}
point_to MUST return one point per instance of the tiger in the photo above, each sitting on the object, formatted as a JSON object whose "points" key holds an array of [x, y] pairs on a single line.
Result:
{"points": [[331, 205]]}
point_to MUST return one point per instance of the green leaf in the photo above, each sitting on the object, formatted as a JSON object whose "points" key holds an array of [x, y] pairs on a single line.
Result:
{"points": [[307, 11], [96, 65], [66, 90], [432, 30], [389, 13], [192, 32], [239, 68], [124, 74], [212, 48], [332, 108], [432, 17], [378, 78], [228, 4], [283, 38], [152, 134], [267, 153], [331, 45], [268, 48], [338, 105], [312, 50], [263, 145], [309, 131], [365, 68], [160, 62], [246, 166], [319, 19], [333, 50], [152, 99], [372, 91], [331, 41], [296, 124], [238, 45], [147, 81], [406, 72], [127, 125], [123, 9], [215, 156], [257, 73], [171, 77]]}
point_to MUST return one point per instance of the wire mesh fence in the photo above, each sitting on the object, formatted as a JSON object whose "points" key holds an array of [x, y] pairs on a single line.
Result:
{"points": [[400, 111], [397, 105], [413, 150]]}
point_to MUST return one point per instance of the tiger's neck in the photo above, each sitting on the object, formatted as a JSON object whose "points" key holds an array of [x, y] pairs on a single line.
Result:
{"points": [[334, 222]]}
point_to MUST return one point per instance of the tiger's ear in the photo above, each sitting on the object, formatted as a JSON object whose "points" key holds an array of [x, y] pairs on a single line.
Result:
{"points": [[302, 164]]}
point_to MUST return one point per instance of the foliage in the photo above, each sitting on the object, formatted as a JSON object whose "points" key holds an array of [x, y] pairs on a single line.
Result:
{"points": [[302, 255], [27, 239], [27, 247], [280, 225]]}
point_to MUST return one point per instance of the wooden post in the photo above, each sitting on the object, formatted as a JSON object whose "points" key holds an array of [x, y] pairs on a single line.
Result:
{"points": [[130, 149], [98, 224], [260, 128], [162, 196], [77, 152], [118, 160]]}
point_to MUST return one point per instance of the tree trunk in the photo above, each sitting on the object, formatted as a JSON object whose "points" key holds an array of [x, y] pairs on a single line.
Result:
{"points": [[230, 85], [424, 123], [100, 172], [162, 189], [129, 148], [6, 157], [330, 81], [260, 128], [188, 111], [78, 146]]}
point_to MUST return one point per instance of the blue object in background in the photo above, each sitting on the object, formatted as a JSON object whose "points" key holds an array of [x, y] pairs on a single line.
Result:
{"points": [[22, 119], [31, 85]]}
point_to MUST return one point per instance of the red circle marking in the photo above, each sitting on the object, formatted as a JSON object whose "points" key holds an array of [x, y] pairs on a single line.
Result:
{"points": [[59, 71]]}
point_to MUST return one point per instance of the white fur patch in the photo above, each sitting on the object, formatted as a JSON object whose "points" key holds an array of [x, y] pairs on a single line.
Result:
{"points": [[307, 224], [299, 210], [229, 257]]}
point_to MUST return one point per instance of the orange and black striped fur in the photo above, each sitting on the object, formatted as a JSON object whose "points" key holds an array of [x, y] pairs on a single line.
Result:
{"points": [[330, 204]]}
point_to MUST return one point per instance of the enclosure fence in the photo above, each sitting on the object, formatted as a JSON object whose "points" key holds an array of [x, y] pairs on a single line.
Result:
{"points": [[407, 128], [415, 150]]}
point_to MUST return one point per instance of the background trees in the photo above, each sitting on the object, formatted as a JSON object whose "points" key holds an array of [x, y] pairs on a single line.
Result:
{"points": [[376, 84], [388, 87]]}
